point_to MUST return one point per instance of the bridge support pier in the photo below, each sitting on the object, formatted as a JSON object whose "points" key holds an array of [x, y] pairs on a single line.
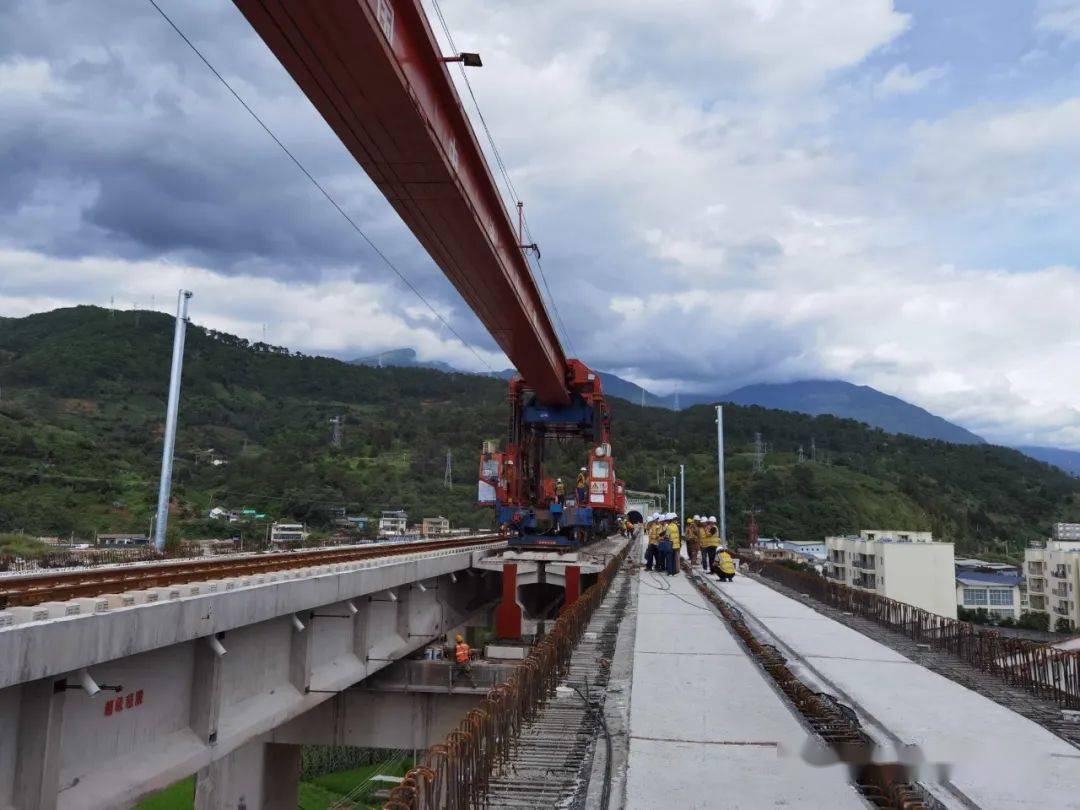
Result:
{"points": [[37, 754], [256, 776]]}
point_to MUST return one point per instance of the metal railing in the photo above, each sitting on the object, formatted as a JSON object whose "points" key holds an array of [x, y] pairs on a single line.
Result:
{"points": [[1042, 670], [455, 774]]}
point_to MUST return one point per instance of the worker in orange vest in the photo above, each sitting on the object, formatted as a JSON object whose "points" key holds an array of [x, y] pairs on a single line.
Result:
{"points": [[462, 654]]}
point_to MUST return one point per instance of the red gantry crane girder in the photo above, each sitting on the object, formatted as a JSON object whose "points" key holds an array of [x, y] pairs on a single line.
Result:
{"points": [[374, 70]]}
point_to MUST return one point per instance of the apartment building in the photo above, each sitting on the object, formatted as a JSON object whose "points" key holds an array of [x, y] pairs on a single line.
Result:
{"points": [[434, 525], [907, 566], [288, 533], [393, 522], [1052, 573]]}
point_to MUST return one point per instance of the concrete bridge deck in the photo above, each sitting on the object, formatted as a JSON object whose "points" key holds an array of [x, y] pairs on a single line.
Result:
{"points": [[994, 757], [707, 729]]}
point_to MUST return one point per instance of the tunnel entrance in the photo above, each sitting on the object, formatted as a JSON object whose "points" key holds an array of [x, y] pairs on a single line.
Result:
{"points": [[634, 516]]}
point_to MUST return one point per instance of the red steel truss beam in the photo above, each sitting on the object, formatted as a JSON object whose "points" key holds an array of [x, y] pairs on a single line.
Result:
{"points": [[373, 70]]}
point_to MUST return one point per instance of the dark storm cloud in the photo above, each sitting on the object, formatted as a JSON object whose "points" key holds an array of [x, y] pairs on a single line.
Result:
{"points": [[146, 154]]}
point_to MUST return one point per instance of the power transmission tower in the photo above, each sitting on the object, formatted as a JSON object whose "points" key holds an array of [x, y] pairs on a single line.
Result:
{"points": [[448, 476], [801, 458], [335, 431], [759, 453], [813, 450]]}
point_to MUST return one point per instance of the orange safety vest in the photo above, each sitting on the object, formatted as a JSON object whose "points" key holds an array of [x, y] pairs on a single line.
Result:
{"points": [[461, 653]]}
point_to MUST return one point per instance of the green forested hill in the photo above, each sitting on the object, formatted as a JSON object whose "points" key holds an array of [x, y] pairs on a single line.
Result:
{"points": [[82, 402]]}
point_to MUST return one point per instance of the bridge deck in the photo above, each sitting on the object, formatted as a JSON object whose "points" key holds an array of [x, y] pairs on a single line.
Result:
{"points": [[998, 758], [706, 727]]}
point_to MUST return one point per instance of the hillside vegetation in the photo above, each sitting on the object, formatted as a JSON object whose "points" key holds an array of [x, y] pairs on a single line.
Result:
{"points": [[81, 419]]}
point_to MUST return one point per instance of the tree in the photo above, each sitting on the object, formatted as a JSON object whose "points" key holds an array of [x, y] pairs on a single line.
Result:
{"points": [[1063, 625], [1034, 621]]}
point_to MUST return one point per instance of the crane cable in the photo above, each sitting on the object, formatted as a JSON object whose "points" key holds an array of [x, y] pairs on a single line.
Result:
{"points": [[322, 189]]}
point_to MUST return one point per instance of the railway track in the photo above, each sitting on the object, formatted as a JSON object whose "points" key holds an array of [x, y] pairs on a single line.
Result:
{"points": [[34, 589]]}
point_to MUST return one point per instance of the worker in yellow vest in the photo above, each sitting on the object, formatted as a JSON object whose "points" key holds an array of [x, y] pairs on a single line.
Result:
{"points": [[693, 537], [725, 566], [710, 541], [673, 537], [582, 488], [652, 550]]}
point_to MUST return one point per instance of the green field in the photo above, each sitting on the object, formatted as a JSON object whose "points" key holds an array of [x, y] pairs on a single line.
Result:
{"points": [[318, 793]]}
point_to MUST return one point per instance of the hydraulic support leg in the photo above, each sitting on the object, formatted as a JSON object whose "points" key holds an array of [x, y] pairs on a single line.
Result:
{"points": [[572, 579], [508, 613]]}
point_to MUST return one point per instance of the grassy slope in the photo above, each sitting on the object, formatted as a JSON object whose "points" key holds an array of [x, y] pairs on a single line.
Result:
{"points": [[81, 420]]}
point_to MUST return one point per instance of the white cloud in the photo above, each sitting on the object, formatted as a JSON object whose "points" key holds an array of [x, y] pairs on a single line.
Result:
{"points": [[992, 350], [339, 317], [24, 79], [901, 81], [1059, 17], [713, 205]]}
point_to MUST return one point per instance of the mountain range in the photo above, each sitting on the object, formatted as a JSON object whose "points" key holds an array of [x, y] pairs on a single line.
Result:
{"points": [[813, 397], [84, 400]]}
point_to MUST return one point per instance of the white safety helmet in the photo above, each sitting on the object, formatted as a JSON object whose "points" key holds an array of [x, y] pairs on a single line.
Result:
{"points": [[712, 518]]}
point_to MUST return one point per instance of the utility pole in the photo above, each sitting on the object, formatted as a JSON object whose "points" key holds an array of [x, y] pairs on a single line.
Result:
{"points": [[682, 499], [173, 407], [448, 479], [720, 470]]}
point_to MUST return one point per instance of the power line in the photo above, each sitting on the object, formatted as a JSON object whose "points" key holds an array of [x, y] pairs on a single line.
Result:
{"points": [[501, 165], [386, 260]]}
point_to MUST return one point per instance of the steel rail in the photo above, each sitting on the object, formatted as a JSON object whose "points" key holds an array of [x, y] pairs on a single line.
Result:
{"points": [[33, 590]]}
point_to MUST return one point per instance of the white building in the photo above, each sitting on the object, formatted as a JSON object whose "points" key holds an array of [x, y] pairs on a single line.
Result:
{"points": [[287, 533], [1052, 573], [806, 548], [998, 594], [900, 535], [393, 522], [907, 566]]}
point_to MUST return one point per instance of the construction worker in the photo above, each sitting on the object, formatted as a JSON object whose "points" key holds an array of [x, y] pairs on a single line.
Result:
{"points": [[725, 566], [673, 537], [664, 545], [582, 488], [693, 537], [560, 491], [710, 540], [462, 656], [652, 550]]}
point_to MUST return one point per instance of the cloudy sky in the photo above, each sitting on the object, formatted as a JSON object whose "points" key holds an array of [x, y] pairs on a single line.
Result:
{"points": [[725, 191]]}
